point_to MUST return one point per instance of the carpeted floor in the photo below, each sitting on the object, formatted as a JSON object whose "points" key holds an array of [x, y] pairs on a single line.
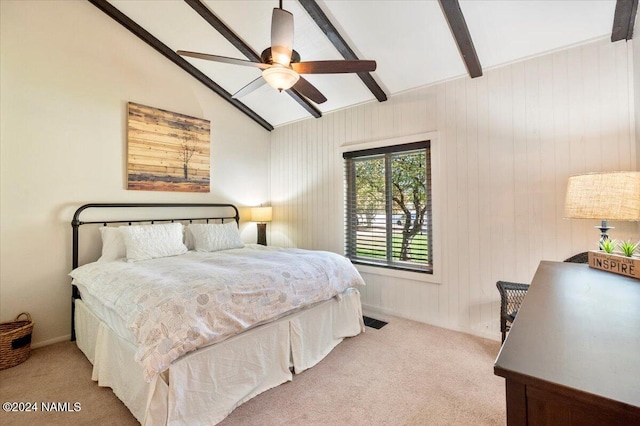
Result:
{"points": [[406, 373]]}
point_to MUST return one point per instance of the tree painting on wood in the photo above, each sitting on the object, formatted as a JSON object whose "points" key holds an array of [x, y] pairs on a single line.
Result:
{"points": [[167, 151]]}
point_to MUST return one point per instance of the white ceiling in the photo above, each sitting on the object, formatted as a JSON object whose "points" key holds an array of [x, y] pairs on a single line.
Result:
{"points": [[409, 40]]}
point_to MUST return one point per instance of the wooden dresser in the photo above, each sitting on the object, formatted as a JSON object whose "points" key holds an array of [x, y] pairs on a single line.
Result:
{"points": [[572, 356]]}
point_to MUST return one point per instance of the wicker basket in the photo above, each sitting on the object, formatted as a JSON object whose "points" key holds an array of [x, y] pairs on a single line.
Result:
{"points": [[15, 341]]}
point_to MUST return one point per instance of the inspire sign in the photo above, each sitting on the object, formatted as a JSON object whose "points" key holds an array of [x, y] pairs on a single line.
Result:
{"points": [[627, 266]]}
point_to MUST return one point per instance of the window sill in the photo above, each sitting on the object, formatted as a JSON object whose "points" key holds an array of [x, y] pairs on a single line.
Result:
{"points": [[398, 273]]}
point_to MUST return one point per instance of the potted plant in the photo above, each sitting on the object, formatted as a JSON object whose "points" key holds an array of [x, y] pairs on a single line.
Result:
{"points": [[629, 248], [608, 246], [623, 262]]}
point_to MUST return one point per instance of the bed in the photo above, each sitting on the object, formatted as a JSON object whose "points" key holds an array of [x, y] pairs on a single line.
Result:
{"points": [[185, 331]]}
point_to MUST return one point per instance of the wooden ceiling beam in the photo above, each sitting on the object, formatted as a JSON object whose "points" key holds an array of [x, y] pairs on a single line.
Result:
{"points": [[624, 19], [145, 36], [245, 49], [345, 50], [460, 31]]}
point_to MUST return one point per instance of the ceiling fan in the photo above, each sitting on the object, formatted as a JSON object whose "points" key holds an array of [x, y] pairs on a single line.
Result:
{"points": [[281, 66]]}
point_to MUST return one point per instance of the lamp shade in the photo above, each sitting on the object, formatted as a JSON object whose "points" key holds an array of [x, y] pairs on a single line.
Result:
{"points": [[280, 78], [261, 214], [604, 196]]}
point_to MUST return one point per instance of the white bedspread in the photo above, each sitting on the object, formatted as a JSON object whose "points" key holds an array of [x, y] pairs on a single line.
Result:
{"points": [[175, 305]]}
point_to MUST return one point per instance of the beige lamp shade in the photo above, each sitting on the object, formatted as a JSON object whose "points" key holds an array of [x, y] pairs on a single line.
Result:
{"points": [[261, 214], [604, 196]]}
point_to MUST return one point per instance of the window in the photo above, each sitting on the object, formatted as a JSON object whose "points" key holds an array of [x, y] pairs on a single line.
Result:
{"points": [[388, 206]]}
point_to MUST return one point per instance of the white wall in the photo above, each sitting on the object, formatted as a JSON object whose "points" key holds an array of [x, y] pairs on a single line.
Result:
{"points": [[507, 143], [67, 72], [636, 80]]}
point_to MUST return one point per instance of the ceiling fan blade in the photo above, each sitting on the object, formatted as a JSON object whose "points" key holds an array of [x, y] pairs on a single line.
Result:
{"points": [[224, 59], [258, 82], [281, 36], [333, 67], [309, 90]]}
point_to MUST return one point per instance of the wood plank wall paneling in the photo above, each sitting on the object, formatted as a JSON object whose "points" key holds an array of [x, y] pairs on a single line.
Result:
{"points": [[508, 141]]}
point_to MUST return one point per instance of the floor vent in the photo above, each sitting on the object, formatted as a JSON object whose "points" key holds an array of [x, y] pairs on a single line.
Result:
{"points": [[373, 323]]}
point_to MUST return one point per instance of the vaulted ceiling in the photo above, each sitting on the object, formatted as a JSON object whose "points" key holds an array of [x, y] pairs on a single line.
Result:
{"points": [[414, 43]]}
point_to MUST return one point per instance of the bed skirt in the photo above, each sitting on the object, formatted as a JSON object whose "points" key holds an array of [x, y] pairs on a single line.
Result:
{"points": [[204, 386]]}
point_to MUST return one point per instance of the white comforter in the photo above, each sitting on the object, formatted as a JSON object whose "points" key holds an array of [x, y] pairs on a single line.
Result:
{"points": [[175, 305]]}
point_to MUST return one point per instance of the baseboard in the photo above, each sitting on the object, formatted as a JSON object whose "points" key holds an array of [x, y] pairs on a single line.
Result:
{"points": [[382, 311], [64, 338]]}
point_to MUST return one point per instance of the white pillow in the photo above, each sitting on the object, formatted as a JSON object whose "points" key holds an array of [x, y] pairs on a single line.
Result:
{"points": [[113, 247], [188, 239], [152, 241], [215, 236]]}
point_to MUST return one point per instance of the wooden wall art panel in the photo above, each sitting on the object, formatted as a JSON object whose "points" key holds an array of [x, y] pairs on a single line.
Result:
{"points": [[167, 151]]}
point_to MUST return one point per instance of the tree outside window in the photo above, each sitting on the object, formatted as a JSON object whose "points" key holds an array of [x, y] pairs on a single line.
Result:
{"points": [[388, 206]]}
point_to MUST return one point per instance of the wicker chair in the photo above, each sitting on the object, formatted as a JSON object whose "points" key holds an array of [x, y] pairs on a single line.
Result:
{"points": [[512, 295], [579, 258]]}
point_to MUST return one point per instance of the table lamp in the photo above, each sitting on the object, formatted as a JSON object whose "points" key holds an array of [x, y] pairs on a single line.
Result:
{"points": [[262, 215], [603, 196]]}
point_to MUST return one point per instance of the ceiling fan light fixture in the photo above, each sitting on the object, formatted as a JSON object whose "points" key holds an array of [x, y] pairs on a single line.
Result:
{"points": [[281, 58], [280, 78]]}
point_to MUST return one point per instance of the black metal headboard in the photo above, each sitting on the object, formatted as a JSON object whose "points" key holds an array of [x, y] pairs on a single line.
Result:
{"points": [[76, 223]]}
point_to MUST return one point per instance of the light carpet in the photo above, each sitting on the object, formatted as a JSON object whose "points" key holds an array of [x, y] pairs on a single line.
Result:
{"points": [[406, 373]]}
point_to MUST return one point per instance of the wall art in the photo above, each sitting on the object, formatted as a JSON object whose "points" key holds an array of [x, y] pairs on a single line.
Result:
{"points": [[167, 151]]}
